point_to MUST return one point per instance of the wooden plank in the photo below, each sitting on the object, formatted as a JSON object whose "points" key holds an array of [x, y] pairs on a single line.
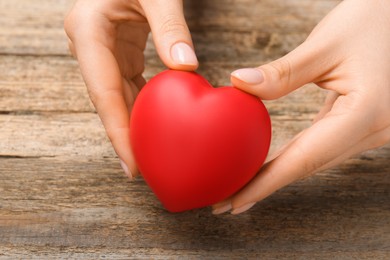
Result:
{"points": [[252, 30], [156, 253], [76, 134], [29, 27], [234, 27], [33, 83], [53, 203], [63, 193], [81, 134], [42, 84], [224, 48]]}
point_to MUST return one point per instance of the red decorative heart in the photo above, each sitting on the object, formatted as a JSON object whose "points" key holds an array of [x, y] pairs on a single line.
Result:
{"points": [[196, 145]]}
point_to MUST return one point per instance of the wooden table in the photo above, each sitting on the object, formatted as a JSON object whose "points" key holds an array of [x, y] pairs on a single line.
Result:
{"points": [[63, 193]]}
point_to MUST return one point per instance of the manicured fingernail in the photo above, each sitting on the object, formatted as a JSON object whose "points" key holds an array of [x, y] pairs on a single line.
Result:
{"points": [[222, 209], [126, 170], [243, 208], [250, 76], [183, 54]]}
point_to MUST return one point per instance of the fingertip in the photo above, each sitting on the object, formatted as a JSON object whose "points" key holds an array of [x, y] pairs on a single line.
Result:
{"points": [[242, 208], [183, 54], [221, 207], [126, 170], [183, 57], [171, 35], [248, 80], [249, 76], [129, 166]]}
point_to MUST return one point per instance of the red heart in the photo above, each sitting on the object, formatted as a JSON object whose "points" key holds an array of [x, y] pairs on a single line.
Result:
{"points": [[196, 145]]}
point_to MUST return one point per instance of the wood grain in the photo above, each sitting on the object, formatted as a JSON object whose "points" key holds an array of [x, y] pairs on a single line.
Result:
{"points": [[89, 204], [64, 195]]}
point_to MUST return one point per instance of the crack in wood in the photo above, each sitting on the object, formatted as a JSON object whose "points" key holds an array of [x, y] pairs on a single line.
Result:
{"points": [[6, 156]]}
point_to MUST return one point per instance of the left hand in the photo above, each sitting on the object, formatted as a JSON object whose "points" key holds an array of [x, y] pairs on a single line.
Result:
{"points": [[348, 53], [108, 38]]}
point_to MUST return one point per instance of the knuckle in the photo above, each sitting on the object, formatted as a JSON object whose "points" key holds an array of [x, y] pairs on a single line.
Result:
{"points": [[94, 96], [70, 22], [97, 95], [77, 18], [171, 25], [280, 71], [111, 133], [116, 133]]}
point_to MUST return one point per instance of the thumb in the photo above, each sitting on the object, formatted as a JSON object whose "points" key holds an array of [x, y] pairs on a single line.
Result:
{"points": [[303, 65], [171, 35]]}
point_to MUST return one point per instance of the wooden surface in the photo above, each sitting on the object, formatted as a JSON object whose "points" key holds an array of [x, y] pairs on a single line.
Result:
{"points": [[63, 194]]}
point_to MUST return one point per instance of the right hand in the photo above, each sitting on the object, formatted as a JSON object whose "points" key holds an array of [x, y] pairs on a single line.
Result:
{"points": [[108, 39], [348, 54]]}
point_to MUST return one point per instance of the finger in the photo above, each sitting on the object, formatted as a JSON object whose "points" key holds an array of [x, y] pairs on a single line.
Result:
{"points": [[320, 144], [104, 82], [107, 93], [329, 101], [303, 65], [225, 205], [372, 141], [284, 147], [222, 206], [171, 35]]}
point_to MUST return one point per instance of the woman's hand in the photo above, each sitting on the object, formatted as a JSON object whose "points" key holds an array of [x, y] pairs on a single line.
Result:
{"points": [[108, 39], [348, 53]]}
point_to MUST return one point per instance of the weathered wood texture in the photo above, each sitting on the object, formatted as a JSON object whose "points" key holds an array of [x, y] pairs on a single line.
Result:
{"points": [[63, 194]]}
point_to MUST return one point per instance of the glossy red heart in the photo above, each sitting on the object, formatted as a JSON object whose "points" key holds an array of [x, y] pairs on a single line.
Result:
{"points": [[196, 145]]}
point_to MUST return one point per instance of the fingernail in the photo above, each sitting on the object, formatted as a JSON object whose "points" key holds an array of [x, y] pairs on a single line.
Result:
{"points": [[250, 76], [126, 170], [243, 208], [183, 54], [222, 209]]}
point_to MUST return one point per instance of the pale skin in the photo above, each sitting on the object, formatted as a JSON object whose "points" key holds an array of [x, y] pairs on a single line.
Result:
{"points": [[108, 39], [347, 53]]}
